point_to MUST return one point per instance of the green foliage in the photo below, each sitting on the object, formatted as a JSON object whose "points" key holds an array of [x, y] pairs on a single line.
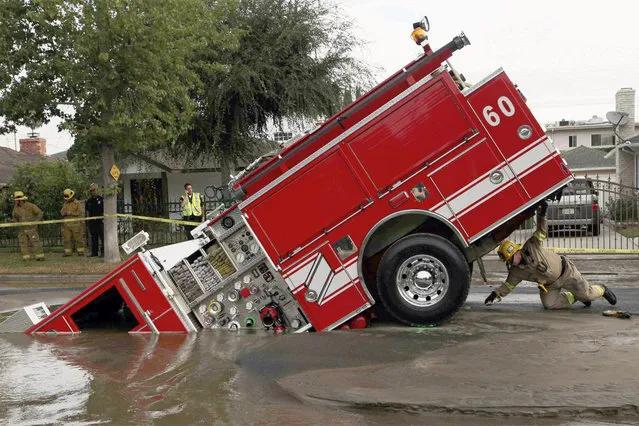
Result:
{"points": [[294, 62], [43, 182], [624, 209], [119, 73], [116, 71]]}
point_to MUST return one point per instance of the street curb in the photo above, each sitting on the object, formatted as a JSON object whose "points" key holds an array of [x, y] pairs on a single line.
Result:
{"points": [[27, 290], [49, 278]]}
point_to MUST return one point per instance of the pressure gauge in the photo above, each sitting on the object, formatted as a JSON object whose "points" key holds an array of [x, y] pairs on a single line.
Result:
{"points": [[240, 257], [215, 308], [254, 248], [202, 309], [233, 310], [249, 306], [246, 279], [233, 296], [228, 222], [237, 285], [220, 297]]}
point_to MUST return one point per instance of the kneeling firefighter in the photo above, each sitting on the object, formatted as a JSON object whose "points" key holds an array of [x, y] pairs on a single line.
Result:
{"points": [[560, 283], [72, 230]]}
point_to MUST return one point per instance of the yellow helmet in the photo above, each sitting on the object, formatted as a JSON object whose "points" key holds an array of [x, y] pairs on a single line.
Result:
{"points": [[507, 250], [19, 196], [68, 194]]}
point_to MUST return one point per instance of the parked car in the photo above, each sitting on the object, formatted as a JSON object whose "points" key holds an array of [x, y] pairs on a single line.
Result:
{"points": [[578, 208]]}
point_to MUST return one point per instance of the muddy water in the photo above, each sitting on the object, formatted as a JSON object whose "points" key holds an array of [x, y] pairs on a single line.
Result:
{"points": [[213, 378]]}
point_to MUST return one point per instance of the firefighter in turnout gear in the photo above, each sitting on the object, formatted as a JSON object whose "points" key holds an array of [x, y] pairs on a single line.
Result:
{"points": [[25, 211], [192, 208], [560, 283], [72, 230]]}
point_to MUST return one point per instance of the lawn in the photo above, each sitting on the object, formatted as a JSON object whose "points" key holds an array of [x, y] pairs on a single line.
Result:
{"points": [[12, 263], [632, 232]]}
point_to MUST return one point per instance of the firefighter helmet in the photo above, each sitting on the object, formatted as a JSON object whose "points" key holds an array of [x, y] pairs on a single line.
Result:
{"points": [[19, 196], [507, 250], [68, 194]]}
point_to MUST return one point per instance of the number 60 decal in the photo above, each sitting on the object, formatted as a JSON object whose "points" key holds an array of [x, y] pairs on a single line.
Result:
{"points": [[505, 105]]}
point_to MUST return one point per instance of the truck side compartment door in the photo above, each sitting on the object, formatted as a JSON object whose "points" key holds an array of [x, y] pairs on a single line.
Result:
{"points": [[327, 290], [477, 187]]}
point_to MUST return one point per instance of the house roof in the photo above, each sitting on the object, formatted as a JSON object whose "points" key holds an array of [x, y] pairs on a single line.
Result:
{"points": [[552, 128], [62, 155], [583, 157], [8, 160], [165, 161]]}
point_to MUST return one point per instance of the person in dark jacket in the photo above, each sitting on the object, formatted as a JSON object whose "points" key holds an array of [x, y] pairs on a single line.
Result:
{"points": [[94, 207]]}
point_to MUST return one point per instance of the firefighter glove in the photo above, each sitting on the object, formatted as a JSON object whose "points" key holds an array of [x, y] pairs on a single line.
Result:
{"points": [[492, 298], [543, 206]]}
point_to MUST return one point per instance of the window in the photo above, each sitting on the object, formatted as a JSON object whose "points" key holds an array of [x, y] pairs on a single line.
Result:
{"points": [[282, 136], [602, 140], [572, 141]]}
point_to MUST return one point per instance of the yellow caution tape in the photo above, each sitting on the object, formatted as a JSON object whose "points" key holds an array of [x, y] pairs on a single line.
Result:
{"points": [[83, 219], [592, 250], [159, 219]]}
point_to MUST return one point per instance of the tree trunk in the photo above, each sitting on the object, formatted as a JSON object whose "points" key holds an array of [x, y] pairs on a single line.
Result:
{"points": [[111, 247], [225, 171]]}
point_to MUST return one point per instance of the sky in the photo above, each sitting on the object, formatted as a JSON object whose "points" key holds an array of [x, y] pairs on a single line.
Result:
{"points": [[568, 57]]}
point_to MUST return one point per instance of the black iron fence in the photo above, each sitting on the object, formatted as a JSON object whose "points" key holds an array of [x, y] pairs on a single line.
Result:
{"points": [[593, 215], [160, 233], [600, 217]]}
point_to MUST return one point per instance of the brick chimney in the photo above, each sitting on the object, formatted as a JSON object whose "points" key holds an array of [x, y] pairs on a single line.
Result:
{"points": [[625, 102], [34, 144]]}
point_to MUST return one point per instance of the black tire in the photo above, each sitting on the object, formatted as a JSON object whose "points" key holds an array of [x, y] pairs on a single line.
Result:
{"points": [[434, 297]]}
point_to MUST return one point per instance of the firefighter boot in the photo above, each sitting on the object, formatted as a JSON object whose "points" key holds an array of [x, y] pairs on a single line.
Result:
{"points": [[609, 295], [587, 303]]}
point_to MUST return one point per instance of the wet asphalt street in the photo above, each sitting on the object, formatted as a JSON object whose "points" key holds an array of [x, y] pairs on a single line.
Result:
{"points": [[512, 363]]}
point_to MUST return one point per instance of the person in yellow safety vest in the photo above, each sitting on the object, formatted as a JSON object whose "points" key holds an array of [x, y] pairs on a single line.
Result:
{"points": [[192, 208], [72, 209], [560, 283], [25, 211]]}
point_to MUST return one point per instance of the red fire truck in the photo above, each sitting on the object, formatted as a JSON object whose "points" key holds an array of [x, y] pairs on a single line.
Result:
{"points": [[391, 201]]}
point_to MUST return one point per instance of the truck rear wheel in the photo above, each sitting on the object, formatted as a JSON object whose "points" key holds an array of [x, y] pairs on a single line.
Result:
{"points": [[423, 279]]}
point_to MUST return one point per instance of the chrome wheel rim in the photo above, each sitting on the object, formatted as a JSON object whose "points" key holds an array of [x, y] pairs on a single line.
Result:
{"points": [[422, 281]]}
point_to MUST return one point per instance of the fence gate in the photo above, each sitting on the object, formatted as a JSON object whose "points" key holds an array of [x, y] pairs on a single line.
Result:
{"points": [[593, 216]]}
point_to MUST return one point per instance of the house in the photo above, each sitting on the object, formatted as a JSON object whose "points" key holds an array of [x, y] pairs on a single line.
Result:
{"points": [[598, 135], [593, 133], [31, 150], [155, 181], [583, 161], [152, 183]]}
